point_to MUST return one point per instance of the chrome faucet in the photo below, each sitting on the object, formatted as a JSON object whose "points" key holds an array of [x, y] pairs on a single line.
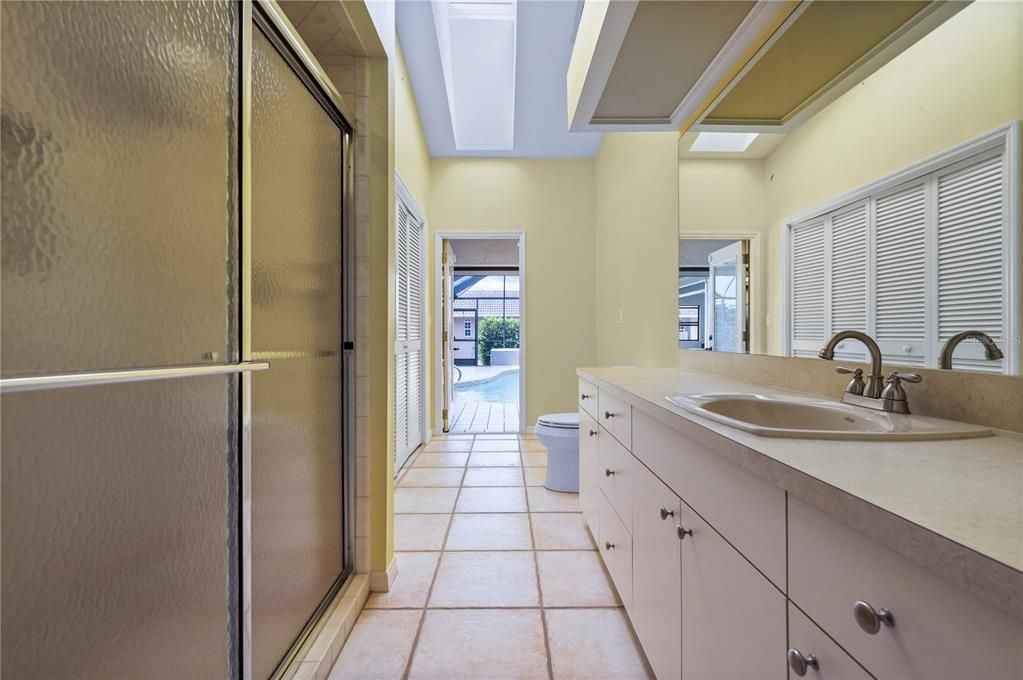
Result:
{"points": [[874, 385], [877, 393], [991, 351]]}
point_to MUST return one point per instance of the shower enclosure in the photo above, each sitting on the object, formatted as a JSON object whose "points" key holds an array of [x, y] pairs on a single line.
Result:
{"points": [[176, 486]]}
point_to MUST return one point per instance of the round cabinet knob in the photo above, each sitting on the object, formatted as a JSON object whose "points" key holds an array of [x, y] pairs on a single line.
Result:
{"points": [[682, 533], [666, 513], [870, 619], [799, 662], [593, 433], [608, 545], [608, 472], [608, 415]]}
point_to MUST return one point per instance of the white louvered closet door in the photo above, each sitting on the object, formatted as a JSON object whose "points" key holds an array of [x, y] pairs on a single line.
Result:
{"points": [[809, 275], [972, 265], [408, 364], [901, 307], [912, 265], [849, 278]]}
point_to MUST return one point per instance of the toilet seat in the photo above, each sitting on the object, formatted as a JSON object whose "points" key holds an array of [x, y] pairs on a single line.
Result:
{"points": [[559, 421]]}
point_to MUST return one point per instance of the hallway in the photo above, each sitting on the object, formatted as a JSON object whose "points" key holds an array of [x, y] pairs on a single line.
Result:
{"points": [[494, 572]]}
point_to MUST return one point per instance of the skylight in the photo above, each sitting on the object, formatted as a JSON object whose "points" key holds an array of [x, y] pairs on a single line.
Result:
{"points": [[726, 142], [477, 50]]}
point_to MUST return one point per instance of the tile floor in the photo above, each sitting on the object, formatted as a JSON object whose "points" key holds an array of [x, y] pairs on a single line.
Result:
{"points": [[484, 417], [497, 576]]}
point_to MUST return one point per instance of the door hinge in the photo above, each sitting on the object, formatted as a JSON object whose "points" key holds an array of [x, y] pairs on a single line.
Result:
{"points": [[745, 259], [444, 414], [348, 345], [445, 336]]}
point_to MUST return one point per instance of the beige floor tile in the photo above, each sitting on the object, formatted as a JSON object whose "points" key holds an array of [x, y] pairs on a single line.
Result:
{"points": [[492, 499], [593, 643], [432, 477], [490, 437], [441, 459], [574, 578], [495, 531], [412, 500], [534, 458], [561, 531], [542, 500], [486, 643], [420, 532], [412, 584], [379, 646], [532, 445], [494, 476], [448, 445], [495, 445], [485, 579], [490, 459], [535, 475]]}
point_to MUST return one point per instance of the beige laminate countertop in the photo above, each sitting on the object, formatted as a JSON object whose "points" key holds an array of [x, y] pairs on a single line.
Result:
{"points": [[954, 507]]}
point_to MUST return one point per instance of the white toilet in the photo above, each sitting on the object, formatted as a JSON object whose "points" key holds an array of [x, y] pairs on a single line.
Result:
{"points": [[559, 433]]}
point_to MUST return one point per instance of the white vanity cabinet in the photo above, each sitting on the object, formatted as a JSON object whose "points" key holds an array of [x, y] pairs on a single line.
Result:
{"points": [[733, 619], [725, 575], [589, 469], [656, 573], [925, 627]]}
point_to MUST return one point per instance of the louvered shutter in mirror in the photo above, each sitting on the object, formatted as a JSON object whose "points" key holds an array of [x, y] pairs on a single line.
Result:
{"points": [[971, 258]]}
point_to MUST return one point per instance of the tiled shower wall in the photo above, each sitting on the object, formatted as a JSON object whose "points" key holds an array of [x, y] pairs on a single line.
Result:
{"points": [[351, 77]]}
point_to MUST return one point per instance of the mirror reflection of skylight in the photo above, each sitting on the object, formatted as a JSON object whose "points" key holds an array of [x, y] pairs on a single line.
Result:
{"points": [[723, 142]]}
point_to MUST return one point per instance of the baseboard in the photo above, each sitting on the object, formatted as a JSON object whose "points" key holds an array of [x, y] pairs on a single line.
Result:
{"points": [[531, 429], [380, 581]]}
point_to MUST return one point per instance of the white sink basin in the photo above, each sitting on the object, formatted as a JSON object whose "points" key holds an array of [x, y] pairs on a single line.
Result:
{"points": [[777, 416]]}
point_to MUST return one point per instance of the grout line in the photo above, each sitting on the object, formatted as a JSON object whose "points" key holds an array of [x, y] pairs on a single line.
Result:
{"points": [[539, 588], [433, 581]]}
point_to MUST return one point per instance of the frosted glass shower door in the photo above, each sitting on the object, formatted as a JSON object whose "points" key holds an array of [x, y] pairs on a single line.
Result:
{"points": [[119, 253], [297, 504]]}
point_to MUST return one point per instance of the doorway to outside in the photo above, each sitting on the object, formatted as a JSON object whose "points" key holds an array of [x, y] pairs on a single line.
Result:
{"points": [[714, 294], [481, 358]]}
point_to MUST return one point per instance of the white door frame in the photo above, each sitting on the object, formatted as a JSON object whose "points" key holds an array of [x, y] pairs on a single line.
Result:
{"points": [[438, 241], [401, 192], [757, 339]]}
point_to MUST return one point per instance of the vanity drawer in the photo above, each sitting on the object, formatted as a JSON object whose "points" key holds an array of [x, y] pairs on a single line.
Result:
{"points": [[807, 639], [938, 631], [590, 471], [588, 397], [615, 545], [616, 472], [615, 415], [748, 511]]}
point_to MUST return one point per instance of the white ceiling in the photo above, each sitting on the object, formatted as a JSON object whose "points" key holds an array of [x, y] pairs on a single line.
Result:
{"points": [[543, 35]]}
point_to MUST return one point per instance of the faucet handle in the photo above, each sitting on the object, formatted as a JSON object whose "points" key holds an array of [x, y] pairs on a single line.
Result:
{"points": [[895, 377], [856, 385]]}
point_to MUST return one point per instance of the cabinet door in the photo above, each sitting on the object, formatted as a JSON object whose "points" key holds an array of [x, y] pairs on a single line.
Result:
{"points": [[615, 475], [589, 471], [733, 619], [806, 640], [615, 544], [656, 573]]}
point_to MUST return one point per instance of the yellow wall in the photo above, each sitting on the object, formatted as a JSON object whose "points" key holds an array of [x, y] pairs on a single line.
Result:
{"points": [[960, 81], [553, 202], [411, 153], [637, 249]]}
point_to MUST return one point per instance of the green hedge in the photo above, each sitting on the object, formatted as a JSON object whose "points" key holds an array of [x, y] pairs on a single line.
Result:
{"points": [[492, 335]]}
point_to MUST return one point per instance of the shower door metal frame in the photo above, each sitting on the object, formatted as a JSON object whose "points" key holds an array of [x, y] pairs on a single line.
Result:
{"points": [[267, 16]]}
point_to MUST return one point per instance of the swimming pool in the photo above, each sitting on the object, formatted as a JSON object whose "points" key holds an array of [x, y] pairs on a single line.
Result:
{"points": [[503, 388]]}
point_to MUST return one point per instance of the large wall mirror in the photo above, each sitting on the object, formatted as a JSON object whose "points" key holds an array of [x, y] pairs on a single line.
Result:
{"points": [[894, 210]]}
